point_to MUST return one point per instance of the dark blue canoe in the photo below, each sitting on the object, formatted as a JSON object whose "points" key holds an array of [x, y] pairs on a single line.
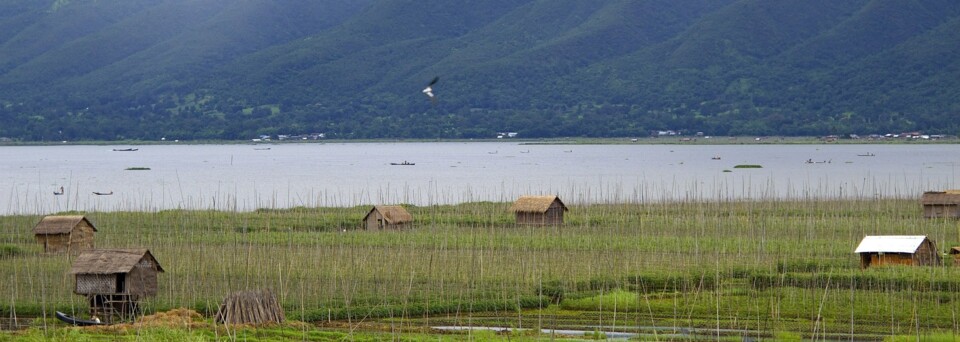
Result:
{"points": [[78, 322]]}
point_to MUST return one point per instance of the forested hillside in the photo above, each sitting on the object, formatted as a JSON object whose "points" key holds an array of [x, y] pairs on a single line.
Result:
{"points": [[225, 69]]}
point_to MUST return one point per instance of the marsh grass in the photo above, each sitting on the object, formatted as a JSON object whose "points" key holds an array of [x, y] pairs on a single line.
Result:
{"points": [[769, 266], [926, 337]]}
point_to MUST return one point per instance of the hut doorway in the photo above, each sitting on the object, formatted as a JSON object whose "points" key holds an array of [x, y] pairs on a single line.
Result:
{"points": [[121, 283]]}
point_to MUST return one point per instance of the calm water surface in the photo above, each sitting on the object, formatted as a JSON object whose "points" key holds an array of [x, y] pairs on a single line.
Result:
{"points": [[247, 177]]}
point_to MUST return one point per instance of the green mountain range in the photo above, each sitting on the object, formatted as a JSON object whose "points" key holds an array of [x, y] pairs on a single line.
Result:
{"points": [[237, 69]]}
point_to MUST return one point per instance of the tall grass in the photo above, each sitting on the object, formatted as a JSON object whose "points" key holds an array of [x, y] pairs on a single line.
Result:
{"points": [[769, 266]]}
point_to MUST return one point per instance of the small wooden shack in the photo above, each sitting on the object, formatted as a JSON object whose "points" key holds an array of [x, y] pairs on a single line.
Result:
{"points": [[69, 234], [941, 204], [114, 280], [879, 250], [387, 217], [539, 210]]}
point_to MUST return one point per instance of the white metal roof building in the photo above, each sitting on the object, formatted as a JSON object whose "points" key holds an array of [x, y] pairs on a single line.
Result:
{"points": [[876, 250], [890, 243]]}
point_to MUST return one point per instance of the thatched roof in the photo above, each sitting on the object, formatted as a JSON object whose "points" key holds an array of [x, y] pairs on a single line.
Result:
{"points": [[60, 224], [394, 214], [954, 250], [890, 244], [109, 261], [535, 204], [949, 197]]}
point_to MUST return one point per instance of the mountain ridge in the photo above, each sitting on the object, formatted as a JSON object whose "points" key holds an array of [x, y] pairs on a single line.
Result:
{"points": [[221, 69]]}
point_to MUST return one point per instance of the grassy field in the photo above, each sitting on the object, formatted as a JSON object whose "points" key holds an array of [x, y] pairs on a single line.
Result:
{"points": [[763, 268]]}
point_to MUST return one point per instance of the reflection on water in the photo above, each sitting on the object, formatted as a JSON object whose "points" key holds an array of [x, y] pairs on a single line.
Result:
{"points": [[247, 177]]}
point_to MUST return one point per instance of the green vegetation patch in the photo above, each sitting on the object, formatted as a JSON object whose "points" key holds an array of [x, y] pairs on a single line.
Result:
{"points": [[10, 250]]}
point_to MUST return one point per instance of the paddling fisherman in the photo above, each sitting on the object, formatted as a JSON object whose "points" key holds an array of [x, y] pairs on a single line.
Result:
{"points": [[95, 318]]}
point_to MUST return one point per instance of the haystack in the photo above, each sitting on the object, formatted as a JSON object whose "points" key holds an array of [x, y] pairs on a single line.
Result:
{"points": [[250, 307]]}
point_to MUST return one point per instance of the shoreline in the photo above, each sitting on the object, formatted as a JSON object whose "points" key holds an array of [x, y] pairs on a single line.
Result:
{"points": [[671, 140]]}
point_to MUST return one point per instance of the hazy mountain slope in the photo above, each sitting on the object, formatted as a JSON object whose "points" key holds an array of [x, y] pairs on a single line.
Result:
{"points": [[749, 31], [875, 27], [583, 38], [371, 51], [233, 31], [46, 29], [354, 68], [122, 28], [16, 15], [922, 68]]}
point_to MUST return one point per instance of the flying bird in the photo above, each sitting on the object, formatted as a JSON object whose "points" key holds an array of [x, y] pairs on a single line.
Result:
{"points": [[429, 90]]}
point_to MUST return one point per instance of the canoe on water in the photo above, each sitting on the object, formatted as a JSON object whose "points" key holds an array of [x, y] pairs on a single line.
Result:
{"points": [[75, 321]]}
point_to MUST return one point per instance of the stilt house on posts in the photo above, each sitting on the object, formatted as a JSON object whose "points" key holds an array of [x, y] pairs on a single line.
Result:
{"points": [[64, 234], [941, 204], [539, 210], [897, 250], [388, 217], [115, 280]]}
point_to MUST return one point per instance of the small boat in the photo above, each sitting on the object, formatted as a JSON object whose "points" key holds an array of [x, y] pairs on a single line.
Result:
{"points": [[261, 148], [126, 149], [59, 192], [404, 163], [527, 151], [869, 154], [78, 322], [716, 158], [103, 193]]}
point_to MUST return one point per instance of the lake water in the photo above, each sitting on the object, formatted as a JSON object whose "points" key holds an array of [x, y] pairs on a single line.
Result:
{"points": [[247, 177]]}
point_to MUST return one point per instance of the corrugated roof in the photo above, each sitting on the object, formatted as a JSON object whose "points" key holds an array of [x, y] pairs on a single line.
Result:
{"points": [[951, 197], [59, 224], [890, 243], [535, 204], [392, 213], [109, 261]]}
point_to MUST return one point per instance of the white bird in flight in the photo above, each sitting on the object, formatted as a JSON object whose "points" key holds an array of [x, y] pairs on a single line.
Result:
{"points": [[429, 90]]}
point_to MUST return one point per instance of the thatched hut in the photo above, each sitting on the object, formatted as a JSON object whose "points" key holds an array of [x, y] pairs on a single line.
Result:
{"points": [[955, 253], [897, 250], [250, 307], [70, 234], [387, 217], [941, 204], [539, 210], [114, 280]]}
